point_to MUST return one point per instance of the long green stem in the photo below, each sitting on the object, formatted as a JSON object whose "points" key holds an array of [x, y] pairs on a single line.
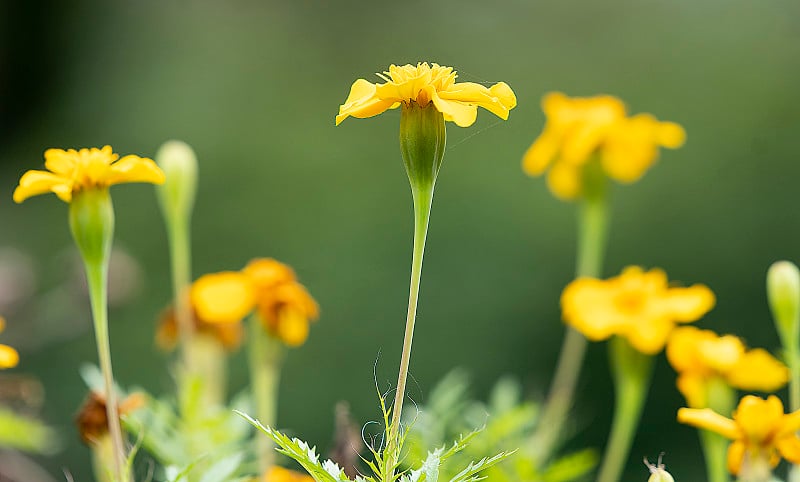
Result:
{"points": [[422, 211], [97, 276], [721, 398], [632, 371], [266, 360], [181, 264], [592, 234]]}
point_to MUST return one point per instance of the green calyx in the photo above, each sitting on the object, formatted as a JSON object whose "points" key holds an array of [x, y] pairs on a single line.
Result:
{"points": [[422, 143], [177, 194], [91, 219]]}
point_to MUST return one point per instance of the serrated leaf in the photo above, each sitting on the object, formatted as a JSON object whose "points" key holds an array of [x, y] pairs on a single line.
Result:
{"points": [[470, 472]]}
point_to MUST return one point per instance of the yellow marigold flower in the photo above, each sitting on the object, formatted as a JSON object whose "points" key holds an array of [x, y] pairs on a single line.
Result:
{"points": [[225, 297], [760, 431], [70, 171], [637, 305], [9, 358], [422, 84], [700, 355], [579, 129], [279, 474], [265, 285]]}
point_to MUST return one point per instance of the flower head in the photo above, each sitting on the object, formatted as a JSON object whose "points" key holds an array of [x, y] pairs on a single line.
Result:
{"points": [[637, 305], [760, 431], [70, 171], [92, 419], [229, 335], [701, 355], [423, 84], [579, 129], [8, 356], [267, 286]]}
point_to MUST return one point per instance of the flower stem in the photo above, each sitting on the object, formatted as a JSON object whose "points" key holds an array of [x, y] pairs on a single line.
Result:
{"points": [[181, 264], [720, 397], [592, 235], [266, 360], [631, 371], [422, 210], [97, 278]]}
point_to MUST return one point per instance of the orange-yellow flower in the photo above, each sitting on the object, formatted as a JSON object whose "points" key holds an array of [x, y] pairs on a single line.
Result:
{"points": [[423, 84], [637, 305], [92, 419], [701, 355], [70, 171], [279, 474], [8, 356], [267, 286], [580, 129], [229, 335], [760, 431]]}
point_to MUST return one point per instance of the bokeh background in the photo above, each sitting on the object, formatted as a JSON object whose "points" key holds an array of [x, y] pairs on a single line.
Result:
{"points": [[254, 87]]}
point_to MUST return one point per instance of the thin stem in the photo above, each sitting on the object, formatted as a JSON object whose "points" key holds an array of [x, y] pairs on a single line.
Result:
{"points": [[97, 276], [721, 398], [422, 211], [266, 360], [181, 264], [632, 371], [592, 234]]}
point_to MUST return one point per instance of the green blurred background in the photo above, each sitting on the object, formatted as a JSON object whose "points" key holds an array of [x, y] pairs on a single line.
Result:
{"points": [[254, 87]]}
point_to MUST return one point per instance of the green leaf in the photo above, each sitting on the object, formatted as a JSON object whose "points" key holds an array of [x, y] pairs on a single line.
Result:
{"points": [[470, 472], [223, 469], [25, 433]]}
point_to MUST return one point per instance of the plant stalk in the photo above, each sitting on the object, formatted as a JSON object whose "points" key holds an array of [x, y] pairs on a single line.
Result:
{"points": [[632, 371], [266, 356]]}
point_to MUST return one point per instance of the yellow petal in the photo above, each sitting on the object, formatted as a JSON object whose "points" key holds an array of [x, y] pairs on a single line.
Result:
{"points": [[670, 135], [721, 353], [757, 370], [564, 181], [60, 161], [8, 357], [292, 327], [708, 419], [682, 348], [790, 423], [693, 388], [498, 99], [736, 454], [34, 183], [363, 102], [268, 273], [135, 169], [759, 418], [648, 335], [462, 114], [789, 447], [586, 306], [224, 297], [541, 153], [688, 304]]}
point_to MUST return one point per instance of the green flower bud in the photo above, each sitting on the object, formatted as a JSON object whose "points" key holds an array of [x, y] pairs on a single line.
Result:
{"points": [[422, 142], [783, 293], [177, 194], [91, 219]]}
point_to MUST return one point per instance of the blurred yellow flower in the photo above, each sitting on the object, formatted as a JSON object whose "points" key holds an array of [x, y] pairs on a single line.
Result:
{"points": [[701, 355], [423, 84], [265, 285], [637, 305], [284, 305], [229, 335], [8, 356], [70, 171], [279, 474], [580, 129], [760, 431]]}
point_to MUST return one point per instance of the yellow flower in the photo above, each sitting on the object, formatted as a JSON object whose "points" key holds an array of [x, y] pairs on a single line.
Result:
{"points": [[8, 356], [422, 84], [580, 129], [229, 335], [70, 171], [279, 474], [267, 286], [637, 305], [700, 355], [760, 431]]}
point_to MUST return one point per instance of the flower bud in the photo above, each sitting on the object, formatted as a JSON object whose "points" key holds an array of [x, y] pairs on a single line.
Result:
{"points": [[177, 194], [422, 143], [91, 219], [657, 472], [783, 293]]}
